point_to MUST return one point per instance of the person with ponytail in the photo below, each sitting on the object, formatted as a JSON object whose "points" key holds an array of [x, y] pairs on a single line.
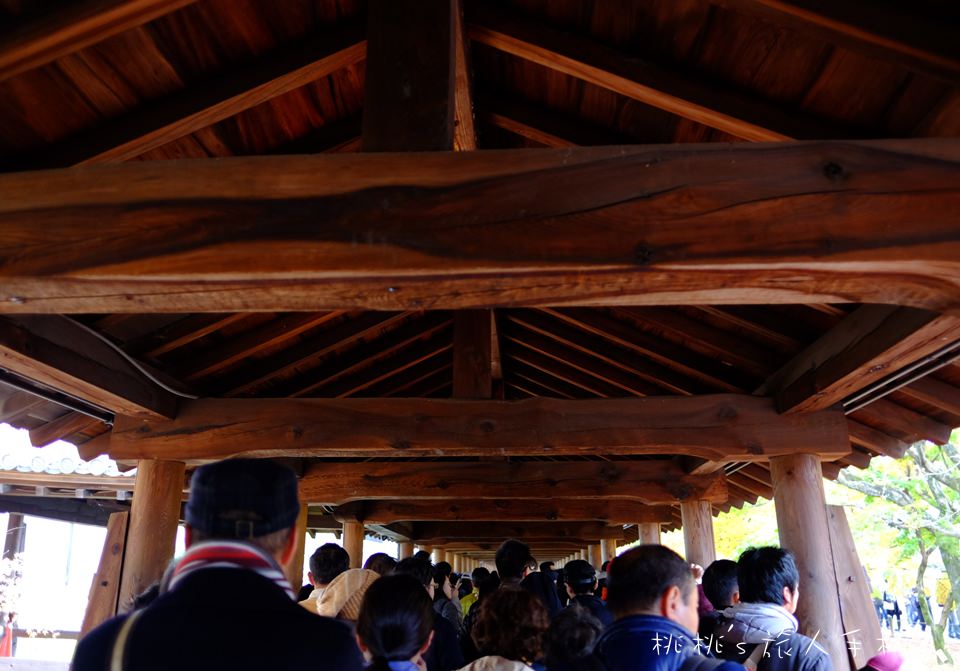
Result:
{"points": [[395, 625]]}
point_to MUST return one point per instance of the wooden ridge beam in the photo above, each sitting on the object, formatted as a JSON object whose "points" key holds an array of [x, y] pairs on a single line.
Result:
{"points": [[888, 32], [867, 346], [519, 530], [198, 107], [59, 353], [678, 224], [673, 91], [652, 482], [78, 25], [717, 427], [516, 510]]}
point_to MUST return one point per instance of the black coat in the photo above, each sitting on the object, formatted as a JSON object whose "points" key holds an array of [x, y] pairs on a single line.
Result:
{"points": [[228, 619]]}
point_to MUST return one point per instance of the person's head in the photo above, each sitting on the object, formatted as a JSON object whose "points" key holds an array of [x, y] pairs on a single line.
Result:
{"points": [[381, 563], [419, 569], [423, 555], [580, 577], [395, 621], [249, 500], [466, 587], [572, 637], [546, 567], [442, 572], [720, 583], [512, 624], [769, 575], [512, 559], [653, 580], [479, 574], [326, 563]]}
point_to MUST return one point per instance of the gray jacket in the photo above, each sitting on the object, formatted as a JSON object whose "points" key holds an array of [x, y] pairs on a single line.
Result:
{"points": [[741, 628]]}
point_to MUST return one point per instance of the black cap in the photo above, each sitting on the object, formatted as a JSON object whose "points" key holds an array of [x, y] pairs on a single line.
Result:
{"points": [[579, 573], [242, 498]]}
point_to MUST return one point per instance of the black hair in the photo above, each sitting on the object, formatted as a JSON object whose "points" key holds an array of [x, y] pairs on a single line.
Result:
{"points": [[381, 563], [571, 639], [441, 571], [546, 567], [466, 587], [639, 577], [327, 562], [512, 558], [423, 555], [580, 576], [720, 582], [395, 621], [418, 568], [479, 574], [762, 573]]}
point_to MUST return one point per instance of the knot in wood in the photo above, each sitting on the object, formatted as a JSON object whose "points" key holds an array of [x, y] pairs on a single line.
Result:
{"points": [[643, 255], [297, 432], [833, 171], [488, 426], [727, 412]]}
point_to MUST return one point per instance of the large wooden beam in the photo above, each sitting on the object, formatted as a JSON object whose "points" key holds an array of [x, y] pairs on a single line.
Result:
{"points": [[472, 356], [520, 530], [515, 510], [409, 86], [864, 348], [673, 91], [678, 224], [651, 482], [59, 353], [900, 34], [715, 427], [195, 108], [78, 25]]}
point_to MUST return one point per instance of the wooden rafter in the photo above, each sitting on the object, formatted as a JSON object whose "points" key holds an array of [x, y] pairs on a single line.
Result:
{"points": [[195, 108], [78, 25], [513, 529], [731, 427], [672, 91], [670, 225]]}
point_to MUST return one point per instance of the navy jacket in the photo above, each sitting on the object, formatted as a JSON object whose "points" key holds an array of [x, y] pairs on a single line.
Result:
{"points": [[595, 606], [652, 643], [228, 619]]}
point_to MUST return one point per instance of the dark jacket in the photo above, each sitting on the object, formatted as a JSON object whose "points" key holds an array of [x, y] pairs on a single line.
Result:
{"points": [[741, 628], [595, 606], [653, 643], [446, 608], [224, 619], [444, 653]]}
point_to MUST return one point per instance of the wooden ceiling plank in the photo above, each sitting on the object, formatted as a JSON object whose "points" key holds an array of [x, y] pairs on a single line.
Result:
{"points": [[876, 440], [78, 25], [669, 225], [902, 423], [408, 100], [61, 428], [650, 482], [203, 105], [867, 346], [58, 353], [429, 374], [936, 393], [534, 388], [190, 330], [573, 380], [673, 91], [888, 32], [545, 127], [518, 510], [719, 427]]}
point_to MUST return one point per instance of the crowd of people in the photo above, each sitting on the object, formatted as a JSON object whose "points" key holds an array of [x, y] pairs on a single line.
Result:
{"points": [[227, 605]]}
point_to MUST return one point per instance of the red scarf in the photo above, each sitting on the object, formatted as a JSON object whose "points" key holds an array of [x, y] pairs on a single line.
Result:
{"points": [[228, 554]]}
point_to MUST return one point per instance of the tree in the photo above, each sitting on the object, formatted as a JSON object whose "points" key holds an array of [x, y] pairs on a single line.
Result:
{"points": [[925, 487]]}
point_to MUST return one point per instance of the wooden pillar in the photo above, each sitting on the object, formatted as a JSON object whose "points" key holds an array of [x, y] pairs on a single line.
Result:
{"points": [[152, 534], [295, 569], [648, 533], [697, 519], [457, 563], [585, 554], [596, 556], [608, 548], [802, 520], [16, 535], [353, 533], [105, 587], [406, 550]]}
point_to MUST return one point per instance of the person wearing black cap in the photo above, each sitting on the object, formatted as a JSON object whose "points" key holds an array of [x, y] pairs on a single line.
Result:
{"points": [[226, 603], [581, 579]]}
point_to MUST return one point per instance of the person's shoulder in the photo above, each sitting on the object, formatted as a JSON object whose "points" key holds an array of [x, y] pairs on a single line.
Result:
{"points": [[93, 650], [811, 656]]}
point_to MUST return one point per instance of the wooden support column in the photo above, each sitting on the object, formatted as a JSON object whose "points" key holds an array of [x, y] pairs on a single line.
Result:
{"points": [[596, 556], [405, 550], [353, 533], [105, 587], [584, 554], [16, 534], [649, 533], [152, 534], [802, 520], [697, 520], [609, 548], [295, 569]]}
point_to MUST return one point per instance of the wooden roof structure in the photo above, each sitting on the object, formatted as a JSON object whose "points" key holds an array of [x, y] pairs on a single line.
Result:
{"points": [[718, 231]]}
